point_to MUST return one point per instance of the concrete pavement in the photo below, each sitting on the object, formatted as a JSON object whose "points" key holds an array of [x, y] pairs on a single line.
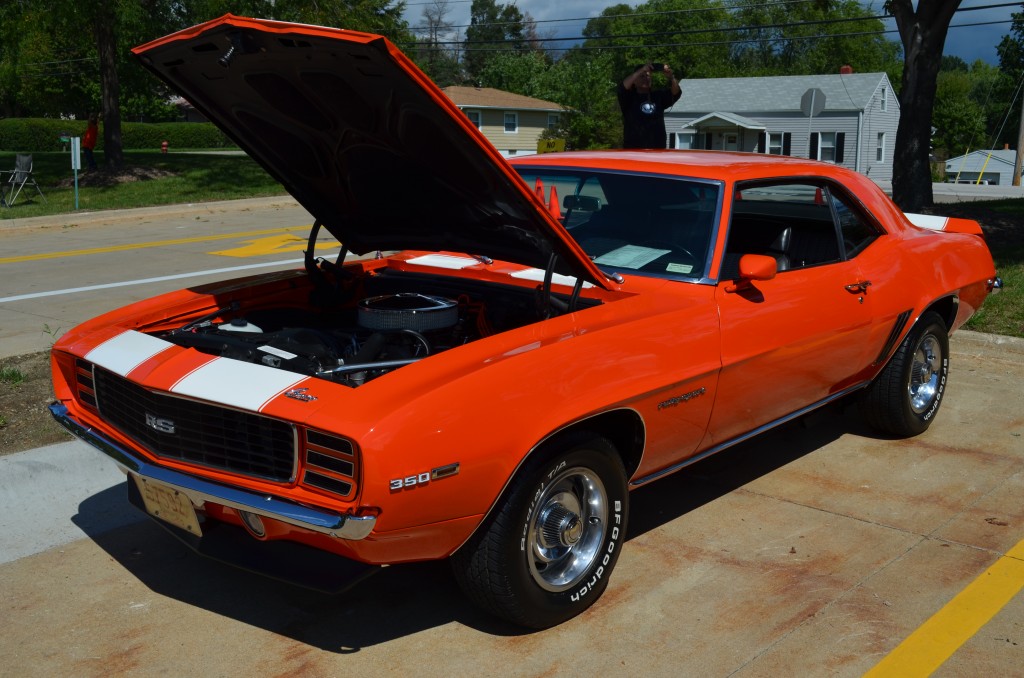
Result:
{"points": [[812, 550]]}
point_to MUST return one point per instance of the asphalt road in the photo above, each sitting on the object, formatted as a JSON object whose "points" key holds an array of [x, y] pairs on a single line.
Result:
{"points": [[817, 549], [56, 272]]}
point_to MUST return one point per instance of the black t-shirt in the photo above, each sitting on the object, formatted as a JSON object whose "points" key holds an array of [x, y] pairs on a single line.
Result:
{"points": [[643, 116]]}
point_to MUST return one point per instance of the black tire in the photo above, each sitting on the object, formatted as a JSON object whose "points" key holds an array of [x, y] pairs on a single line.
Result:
{"points": [[547, 550], [905, 397]]}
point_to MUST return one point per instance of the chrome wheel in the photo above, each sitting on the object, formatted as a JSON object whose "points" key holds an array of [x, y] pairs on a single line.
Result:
{"points": [[924, 374], [565, 533]]}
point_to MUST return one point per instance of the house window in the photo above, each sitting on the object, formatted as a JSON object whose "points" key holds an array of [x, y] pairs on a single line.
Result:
{"points": [[880, 148], [511, 123], [474, 117], [827, 147], [553, 120], [884, 103], [775, 143]]}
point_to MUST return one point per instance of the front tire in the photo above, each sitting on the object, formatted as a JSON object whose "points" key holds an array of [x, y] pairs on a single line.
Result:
{"points": [[905, 397], [548, 549]]}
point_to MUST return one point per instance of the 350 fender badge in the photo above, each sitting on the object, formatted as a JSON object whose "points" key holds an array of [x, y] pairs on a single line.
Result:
{"points": [[424, 478], [672, 402], [299, 394]]}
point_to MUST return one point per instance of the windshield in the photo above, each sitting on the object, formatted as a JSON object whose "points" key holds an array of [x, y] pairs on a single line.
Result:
{"points": [[635, 223]]}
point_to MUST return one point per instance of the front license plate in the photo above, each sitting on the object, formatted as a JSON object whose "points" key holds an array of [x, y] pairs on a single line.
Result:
{"points": [[168, 504]]}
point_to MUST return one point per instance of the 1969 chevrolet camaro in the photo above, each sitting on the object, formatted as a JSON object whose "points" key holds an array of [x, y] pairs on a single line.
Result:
{"points": [[537, 338]]}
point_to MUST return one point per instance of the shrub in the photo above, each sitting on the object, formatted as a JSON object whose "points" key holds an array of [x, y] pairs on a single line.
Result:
{"points": [[30, 135]]}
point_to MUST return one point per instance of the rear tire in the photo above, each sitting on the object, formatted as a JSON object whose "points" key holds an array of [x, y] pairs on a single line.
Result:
{"points": [[905, 397], [546, 552]]}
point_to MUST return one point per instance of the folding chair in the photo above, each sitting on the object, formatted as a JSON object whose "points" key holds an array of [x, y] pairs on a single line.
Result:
{"points": [[20, 176]]}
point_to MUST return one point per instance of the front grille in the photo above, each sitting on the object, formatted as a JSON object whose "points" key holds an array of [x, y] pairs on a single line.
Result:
{"points": [[194, 432]]}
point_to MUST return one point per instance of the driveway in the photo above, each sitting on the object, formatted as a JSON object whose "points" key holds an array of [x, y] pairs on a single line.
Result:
{"points": [[816, 549]]}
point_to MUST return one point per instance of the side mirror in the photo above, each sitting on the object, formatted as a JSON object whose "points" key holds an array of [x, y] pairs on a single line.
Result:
{"points": [[754, 267]]}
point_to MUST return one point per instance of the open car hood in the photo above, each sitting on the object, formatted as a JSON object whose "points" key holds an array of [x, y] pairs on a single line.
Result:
{"points": [[362, 139]]}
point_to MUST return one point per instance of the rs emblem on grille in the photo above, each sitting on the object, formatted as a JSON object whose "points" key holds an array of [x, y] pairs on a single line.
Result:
{"points": [[159, 423]]}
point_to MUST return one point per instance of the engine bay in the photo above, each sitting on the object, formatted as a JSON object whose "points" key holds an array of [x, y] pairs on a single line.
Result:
{"points": [[386, 322]]}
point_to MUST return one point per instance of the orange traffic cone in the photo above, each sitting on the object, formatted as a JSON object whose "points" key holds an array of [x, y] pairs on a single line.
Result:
{"points": [[819, 199], [553, 206], [538, 187]]}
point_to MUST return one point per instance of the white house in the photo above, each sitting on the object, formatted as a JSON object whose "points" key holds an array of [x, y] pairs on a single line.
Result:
{"points": [[854, 121], [994, 168]]}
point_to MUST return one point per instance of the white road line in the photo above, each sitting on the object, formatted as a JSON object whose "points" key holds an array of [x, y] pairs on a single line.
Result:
{"points": [[126, 283]]}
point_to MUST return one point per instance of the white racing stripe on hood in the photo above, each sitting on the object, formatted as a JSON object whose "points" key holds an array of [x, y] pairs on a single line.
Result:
{"points": [[537, 275], [126, 351], [443, 261], [929, 221], [243, 385]]}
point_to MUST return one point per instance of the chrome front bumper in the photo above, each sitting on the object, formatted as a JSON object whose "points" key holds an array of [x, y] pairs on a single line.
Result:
{"points": [[349, 527]]}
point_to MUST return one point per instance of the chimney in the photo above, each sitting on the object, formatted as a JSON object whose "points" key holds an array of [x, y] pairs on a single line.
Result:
{"points": [[846, 69]]}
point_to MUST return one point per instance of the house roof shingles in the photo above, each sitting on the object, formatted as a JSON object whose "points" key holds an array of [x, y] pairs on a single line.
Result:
{"points": [[850, 92], [488, 97]]}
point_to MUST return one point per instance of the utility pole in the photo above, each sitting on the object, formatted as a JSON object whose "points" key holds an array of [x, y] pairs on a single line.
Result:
{"points": [[1020, 148]]}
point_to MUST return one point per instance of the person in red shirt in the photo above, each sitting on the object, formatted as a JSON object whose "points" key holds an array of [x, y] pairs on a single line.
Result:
{"points": [[89, 142]]}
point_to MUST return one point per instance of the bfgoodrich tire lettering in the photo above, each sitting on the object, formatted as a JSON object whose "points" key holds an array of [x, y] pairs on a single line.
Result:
{"points": [[906, 395], [549, 548]]}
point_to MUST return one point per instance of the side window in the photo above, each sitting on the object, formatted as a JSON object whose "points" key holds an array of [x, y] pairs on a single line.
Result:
{"points": [[791, 222], [857, 232]]}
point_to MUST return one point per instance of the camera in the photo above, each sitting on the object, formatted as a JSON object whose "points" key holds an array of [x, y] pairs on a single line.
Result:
{"points": [[657, 68]]}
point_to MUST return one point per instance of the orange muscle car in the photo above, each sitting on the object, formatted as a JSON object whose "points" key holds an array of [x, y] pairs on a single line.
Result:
{"points": [[534, 338]]}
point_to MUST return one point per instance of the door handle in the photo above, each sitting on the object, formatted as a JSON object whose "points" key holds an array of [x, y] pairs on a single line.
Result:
{"points": [[860, 287]]}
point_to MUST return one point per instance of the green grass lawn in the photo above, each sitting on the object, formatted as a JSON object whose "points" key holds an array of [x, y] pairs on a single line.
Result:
{"points": [[193, 177], [1003, 312]]}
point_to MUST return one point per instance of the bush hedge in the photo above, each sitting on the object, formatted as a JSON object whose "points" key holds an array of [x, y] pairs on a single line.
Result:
{"points": [[29, 135]]}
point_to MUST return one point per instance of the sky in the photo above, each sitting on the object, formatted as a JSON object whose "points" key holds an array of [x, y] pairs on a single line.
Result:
{"points": [[968, 43]]}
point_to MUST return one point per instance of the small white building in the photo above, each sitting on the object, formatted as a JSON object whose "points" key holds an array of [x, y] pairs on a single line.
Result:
{"points": [[992, 168], [855, 116]]}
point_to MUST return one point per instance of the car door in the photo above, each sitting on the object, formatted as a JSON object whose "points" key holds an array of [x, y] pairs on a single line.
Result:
{"points": [[797, 339]]}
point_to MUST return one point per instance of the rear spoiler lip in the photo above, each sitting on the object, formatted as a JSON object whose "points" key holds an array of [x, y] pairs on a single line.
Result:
{"points": [[948, 224]]}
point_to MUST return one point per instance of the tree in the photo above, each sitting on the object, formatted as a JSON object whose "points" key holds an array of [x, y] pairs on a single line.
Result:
{"points": [[440, 63], [583, 85], [958, 118], [923, 33], [787, 40], [1011, 48], [493, 28]]}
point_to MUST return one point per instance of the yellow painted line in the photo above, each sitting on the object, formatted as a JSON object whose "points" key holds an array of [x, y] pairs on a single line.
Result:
{"points": [[271, 244], [935, 641], [145, 245]]}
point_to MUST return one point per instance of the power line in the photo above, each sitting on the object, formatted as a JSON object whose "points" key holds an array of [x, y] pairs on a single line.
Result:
{"points": [[692, 10], [717, 43], [696, 31]]}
